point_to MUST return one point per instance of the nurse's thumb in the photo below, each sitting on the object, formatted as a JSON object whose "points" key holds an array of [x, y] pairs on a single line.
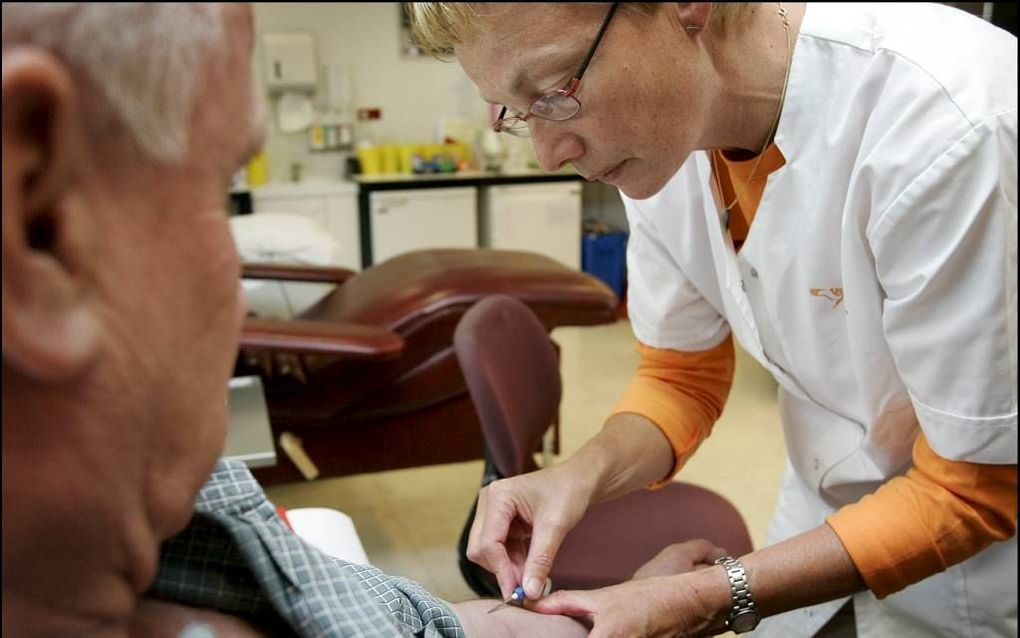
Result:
{"points": [[545, 542]]}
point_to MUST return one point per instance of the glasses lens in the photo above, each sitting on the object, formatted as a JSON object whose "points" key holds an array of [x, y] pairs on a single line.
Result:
{"points": [[555, 107]]}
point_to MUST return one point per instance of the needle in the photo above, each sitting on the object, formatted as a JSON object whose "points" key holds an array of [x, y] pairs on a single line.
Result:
{"points": [[515, 598]]}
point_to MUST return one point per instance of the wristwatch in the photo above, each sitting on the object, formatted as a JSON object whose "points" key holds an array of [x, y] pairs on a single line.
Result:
{"points": [[743, 615]]}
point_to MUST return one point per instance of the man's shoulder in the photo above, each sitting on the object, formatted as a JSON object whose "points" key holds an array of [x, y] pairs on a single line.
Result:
{"points": [[231, 486]]}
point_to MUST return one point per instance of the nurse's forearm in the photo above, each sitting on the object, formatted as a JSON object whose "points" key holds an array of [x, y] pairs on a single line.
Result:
{"points": [[630, 452], [808, 569]]}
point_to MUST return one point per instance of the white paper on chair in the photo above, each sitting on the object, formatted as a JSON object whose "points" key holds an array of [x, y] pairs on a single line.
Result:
{"points": [[282, 238], [329, 531]]}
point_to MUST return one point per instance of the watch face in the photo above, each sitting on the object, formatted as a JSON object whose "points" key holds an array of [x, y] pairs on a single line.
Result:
{"points": [[744, 621]]}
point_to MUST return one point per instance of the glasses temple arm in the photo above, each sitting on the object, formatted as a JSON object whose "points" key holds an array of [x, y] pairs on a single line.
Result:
{"points": [[595, 44]]}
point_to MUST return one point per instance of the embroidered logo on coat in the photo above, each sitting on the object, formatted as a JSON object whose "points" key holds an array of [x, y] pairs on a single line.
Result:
{"points": [[835, 295]]}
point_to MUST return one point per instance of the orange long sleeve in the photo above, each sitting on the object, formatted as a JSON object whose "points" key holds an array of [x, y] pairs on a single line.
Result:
{"points": [[682, 393], [939, 514]]}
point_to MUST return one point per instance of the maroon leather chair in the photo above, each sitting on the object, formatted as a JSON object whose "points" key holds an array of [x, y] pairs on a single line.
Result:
{"points": [[367, 379], [513, 375]]}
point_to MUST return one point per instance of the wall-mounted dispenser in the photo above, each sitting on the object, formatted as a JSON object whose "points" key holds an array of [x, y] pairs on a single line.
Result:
{"points": [[290, 62], [291, 77]]}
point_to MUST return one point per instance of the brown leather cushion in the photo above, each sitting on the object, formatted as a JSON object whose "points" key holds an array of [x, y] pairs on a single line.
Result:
{"points": [[404, 290]]}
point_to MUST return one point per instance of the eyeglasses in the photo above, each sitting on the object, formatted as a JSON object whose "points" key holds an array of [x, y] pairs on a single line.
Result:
{"points": [[556, 105]]}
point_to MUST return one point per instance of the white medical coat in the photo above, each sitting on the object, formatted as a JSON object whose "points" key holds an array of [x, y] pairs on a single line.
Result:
{"points": [[877, 283]]}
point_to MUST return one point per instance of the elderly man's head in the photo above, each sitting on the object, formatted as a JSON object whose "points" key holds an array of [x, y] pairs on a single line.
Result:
{"points": [[122, 125], [646, 96]]}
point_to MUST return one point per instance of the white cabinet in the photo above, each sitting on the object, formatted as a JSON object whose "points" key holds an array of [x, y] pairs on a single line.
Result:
{"points": [[540, 218], [333, 205], [416, 219], [342, 223]]}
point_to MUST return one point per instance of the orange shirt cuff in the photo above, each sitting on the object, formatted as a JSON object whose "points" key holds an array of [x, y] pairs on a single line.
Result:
{"points": [[941, 513]]}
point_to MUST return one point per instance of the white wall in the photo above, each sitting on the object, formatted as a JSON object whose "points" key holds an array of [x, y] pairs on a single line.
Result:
{"points": [[412, 93], [364, 37]]}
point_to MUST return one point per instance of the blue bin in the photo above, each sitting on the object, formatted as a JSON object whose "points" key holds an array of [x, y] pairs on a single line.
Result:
{"points": [[605, 256]]}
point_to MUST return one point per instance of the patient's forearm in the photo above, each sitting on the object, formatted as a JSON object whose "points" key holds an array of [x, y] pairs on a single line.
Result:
{"points": [[158, 619], [513, 621]]}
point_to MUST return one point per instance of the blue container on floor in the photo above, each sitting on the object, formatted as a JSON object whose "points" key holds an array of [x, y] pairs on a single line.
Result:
{"points": [[605, 256]]}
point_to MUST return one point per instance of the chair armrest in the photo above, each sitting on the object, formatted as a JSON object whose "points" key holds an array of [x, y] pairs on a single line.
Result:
{"points": [[348, 341], [315, 274]]}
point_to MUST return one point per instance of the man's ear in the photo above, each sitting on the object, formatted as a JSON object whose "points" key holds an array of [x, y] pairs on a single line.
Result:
{"points": [[50, 325]]}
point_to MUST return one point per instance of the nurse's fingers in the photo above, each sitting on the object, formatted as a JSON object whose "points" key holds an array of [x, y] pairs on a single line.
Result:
{"points": [[487, 541]]}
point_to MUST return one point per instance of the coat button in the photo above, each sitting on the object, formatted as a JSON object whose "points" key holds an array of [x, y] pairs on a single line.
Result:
{"points": [[754, 272]]}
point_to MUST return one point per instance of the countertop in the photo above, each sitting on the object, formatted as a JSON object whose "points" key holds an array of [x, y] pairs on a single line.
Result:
{"points": [[465, 176], [389, 181], [306, 187]]}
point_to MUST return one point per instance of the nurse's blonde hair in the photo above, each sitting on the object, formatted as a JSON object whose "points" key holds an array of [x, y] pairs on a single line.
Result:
{"points": [[438, 27]]}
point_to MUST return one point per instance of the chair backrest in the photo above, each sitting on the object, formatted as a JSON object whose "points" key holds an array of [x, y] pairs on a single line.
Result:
{"points": [[512, 373]]}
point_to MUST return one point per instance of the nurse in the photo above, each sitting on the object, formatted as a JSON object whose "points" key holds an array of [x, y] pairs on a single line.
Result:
{"points": [[833, 186]]}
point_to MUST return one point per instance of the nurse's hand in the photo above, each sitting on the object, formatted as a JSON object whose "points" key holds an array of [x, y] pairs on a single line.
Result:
{"points": [[661, 606], [520, 523], [680, 558]]}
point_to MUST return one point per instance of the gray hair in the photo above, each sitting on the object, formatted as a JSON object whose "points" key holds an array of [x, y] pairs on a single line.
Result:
{"points": [[145, 60]]}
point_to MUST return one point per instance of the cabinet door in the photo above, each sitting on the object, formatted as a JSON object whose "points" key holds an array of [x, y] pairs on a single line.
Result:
{"points": [[540, 218], [313, 206], [406, 220], [342, 223]]}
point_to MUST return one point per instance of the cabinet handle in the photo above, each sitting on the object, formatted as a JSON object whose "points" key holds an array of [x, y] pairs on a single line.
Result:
{"points": [[390, 203]]}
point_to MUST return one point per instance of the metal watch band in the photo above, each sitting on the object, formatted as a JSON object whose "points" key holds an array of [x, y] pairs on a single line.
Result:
{"points": [[743, 615]]}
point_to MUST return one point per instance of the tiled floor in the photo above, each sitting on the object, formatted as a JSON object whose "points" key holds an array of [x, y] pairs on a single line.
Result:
{"points": [[410, 520]]}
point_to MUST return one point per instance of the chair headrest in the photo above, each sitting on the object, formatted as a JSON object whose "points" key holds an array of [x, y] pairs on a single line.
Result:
{"points": [[512, 373]]}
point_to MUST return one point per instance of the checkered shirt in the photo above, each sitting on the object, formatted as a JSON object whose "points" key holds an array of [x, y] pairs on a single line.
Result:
{"points": [[238, 557]]}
